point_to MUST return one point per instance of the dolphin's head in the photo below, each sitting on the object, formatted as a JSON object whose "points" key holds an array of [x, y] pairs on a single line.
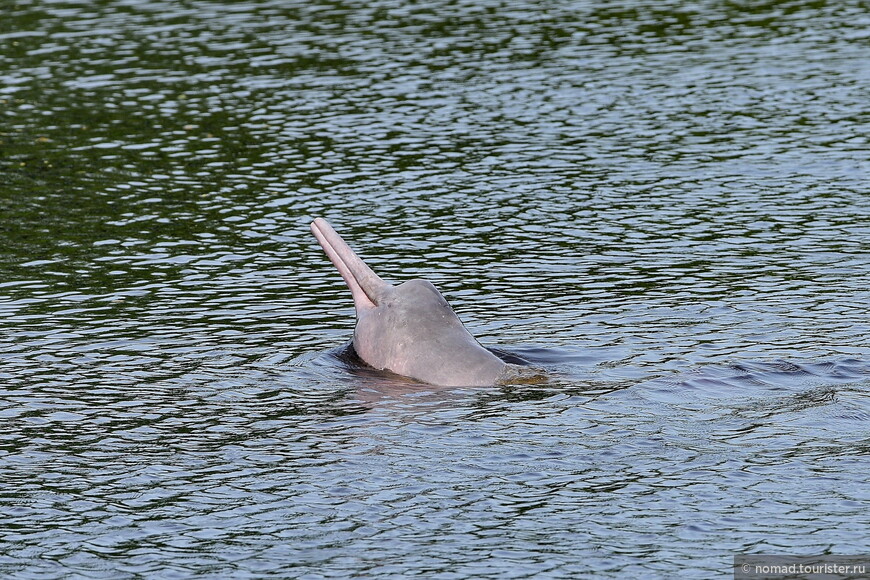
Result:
{"points": [[410, 328], [389, 318]]}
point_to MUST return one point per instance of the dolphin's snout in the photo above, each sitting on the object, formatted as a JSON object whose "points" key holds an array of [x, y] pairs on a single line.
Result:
{"points": [[365, 286]]}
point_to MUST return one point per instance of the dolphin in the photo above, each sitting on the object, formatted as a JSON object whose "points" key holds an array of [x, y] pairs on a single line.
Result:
{"points": [[409, 329]]}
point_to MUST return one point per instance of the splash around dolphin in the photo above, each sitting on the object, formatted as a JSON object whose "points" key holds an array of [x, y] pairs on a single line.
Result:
{"points": [[409, 329]]}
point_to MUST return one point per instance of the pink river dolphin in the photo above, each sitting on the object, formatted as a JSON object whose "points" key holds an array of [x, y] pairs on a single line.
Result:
{"points": [[409, 329]]}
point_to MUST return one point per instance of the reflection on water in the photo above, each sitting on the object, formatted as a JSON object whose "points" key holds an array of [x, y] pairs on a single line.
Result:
{"points": [[662, 206]]}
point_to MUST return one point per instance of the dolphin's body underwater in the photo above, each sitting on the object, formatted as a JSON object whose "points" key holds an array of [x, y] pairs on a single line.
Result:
{"points": [[409, 329]]}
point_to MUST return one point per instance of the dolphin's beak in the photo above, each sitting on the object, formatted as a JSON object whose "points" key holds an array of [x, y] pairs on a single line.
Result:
{"points": [[364, 284]]}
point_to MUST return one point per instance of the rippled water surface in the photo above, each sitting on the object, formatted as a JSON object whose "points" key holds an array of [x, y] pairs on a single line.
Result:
{"points": [[662, 205]]}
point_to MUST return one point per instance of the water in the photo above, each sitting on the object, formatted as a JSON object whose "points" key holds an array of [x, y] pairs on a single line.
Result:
{"points": [[665, 207]]}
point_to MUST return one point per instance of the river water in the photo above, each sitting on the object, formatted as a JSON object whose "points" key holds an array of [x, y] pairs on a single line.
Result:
{"points": [[663, 206]]}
